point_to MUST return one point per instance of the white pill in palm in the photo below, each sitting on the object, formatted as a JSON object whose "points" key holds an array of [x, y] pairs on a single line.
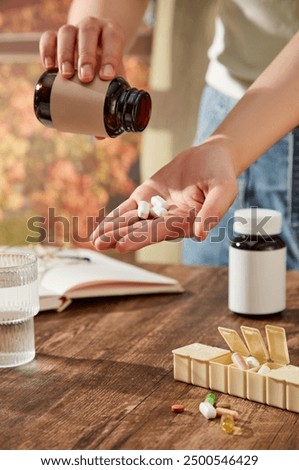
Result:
{"points": [[158, 211], [152, 212], [207, 410], [158, 201], [143, 209]]}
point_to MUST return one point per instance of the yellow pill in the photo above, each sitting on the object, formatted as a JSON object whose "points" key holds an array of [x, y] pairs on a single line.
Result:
{"points": [[227, 423]]}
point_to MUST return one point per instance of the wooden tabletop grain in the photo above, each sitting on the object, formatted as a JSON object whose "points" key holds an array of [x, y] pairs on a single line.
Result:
{"points": [[103, 378]]}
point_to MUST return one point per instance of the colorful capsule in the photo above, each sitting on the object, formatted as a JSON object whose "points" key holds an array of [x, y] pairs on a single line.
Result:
{"points": [[211, 398], [223, 411], [207, 410], [227, 423], [239, 361], [223, 404]]}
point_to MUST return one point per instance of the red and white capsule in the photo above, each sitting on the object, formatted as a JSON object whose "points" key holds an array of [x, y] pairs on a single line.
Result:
{"points": [[239, 361]]}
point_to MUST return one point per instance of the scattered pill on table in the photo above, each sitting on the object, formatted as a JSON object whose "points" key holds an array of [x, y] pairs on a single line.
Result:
{"points": [[158, 211], [227, 423], [143, 209], [239, 361], [177, 408], [252, 361], [207, 410], [223, 411], [210, 398], [223, 404]]}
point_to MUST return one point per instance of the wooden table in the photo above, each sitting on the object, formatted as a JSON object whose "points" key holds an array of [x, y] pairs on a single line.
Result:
{"points": [[103, 378]]}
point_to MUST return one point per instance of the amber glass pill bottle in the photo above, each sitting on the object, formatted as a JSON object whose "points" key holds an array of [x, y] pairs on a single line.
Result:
{"points": [[257, 263], [100, 108]]}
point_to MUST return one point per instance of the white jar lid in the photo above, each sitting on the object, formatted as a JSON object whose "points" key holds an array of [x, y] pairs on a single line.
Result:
{"points": [[256, 221]]}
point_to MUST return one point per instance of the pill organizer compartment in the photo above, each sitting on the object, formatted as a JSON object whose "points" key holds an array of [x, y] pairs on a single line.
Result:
{"points": [[182, 361], [218, 372], [229, 372], [274, 357], [292, 390], [256, 384], [200, 364], [276, 386], [191, 363], [279, 388], [275, 379]]}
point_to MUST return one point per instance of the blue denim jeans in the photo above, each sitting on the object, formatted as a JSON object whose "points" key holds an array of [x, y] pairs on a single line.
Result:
{"points": [[266, 183]]}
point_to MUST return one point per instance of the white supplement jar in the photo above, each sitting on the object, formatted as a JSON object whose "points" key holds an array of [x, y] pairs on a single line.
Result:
{"points": [[257, 263]]}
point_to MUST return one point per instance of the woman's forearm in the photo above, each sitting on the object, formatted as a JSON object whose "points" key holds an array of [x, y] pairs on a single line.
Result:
{"points": [[128, 13], [268, 110]]}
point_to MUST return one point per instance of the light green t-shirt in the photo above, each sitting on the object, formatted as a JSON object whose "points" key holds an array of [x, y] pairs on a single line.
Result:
{"points": [[248, 35]]}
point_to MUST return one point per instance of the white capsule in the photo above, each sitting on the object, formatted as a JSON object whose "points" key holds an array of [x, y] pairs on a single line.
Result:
{"points": [[158, 211], [143, 209], [158, 201], [207, 410], [152, 212], [252, 361], [264, 370]]}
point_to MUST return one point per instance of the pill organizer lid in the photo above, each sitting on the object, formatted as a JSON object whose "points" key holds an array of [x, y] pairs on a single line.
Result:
{"points": [[277, 344], [233, 340], [282, 373], [294, 379], [199, 351], [255, 343], [293, 371], [208, 353], [186, 351]]}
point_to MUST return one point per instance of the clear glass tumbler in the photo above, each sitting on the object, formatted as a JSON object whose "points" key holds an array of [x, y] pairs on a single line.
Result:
{"points": [[19, 302]]}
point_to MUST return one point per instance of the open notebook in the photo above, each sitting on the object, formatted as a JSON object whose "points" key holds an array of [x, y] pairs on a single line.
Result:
{"points": [[82, 273]]}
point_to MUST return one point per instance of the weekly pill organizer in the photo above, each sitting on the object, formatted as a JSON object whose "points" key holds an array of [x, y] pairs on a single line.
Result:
{"points": [[212, 367]]}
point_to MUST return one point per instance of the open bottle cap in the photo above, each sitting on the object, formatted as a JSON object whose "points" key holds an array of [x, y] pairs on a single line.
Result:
{"points": [[257, 221]]}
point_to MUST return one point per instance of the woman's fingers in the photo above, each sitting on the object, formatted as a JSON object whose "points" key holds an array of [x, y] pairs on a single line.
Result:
{"points": [[47, 49], [66, 44], [140, 233], [217, 202], [108, 233], [127, 206], [91, 45], [113, 42], [110, 239], [150, 231], [89, 32]]}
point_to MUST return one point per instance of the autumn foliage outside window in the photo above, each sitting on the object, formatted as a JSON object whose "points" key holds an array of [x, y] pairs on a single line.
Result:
{"points": [[41, 168]]}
